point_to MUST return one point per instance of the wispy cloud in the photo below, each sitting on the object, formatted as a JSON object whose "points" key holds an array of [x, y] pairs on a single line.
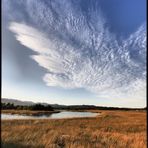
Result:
{"points": [[78, 50]]}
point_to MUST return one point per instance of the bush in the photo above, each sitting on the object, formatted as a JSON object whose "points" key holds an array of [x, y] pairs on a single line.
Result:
{"points": [[32, 107], [41, 107], [7, 106]]}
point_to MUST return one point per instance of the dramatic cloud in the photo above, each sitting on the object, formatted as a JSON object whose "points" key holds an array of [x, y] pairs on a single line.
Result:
{"points": [[78, 50]]}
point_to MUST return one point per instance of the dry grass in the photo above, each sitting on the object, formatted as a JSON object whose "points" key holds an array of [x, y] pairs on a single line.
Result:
{"points": [[113, 129]]}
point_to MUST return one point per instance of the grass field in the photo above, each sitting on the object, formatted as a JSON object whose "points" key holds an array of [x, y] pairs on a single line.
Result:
{"points": [[112, 129]]}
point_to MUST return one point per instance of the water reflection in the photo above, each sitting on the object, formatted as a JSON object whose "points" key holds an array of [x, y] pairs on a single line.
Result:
{"points": [[63, 114]]}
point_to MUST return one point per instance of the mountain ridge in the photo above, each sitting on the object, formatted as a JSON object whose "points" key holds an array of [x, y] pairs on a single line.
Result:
{"points": [[68, 107]]}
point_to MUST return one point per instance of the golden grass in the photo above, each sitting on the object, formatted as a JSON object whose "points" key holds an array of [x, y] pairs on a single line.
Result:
{"points": [[112, 129]]}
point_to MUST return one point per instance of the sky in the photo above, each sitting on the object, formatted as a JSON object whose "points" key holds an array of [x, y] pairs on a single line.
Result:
{"points": [[75, 51]]}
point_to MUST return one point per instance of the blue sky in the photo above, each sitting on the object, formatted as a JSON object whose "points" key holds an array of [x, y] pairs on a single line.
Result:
{"points": [[75, 52]]}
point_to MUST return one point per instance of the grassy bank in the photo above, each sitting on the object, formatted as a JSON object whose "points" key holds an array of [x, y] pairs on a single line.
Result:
{"points": [[112, 129], [28, 112]]}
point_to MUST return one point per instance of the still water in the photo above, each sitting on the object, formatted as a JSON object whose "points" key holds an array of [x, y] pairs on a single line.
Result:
{"points": [[63, 114]]}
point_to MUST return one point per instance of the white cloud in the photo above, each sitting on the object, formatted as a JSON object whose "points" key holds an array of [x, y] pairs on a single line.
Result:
{"points": [[77, 53], [109, 73]]}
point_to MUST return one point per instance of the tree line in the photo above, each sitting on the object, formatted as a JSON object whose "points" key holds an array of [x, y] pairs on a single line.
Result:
{"points": [[31, 107]]}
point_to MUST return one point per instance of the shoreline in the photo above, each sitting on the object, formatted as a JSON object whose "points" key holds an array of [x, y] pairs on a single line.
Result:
{"points": [[38, 112], [28, 112]]}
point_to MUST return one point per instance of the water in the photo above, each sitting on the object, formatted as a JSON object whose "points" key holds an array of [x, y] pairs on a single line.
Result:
{"points": [[63, 114]]}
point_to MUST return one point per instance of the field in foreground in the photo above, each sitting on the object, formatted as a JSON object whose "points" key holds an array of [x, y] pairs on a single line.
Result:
{"points": [[112, 129]]}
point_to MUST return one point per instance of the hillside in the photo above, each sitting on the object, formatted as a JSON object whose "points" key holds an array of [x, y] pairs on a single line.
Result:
{"points": [[65, 107]]}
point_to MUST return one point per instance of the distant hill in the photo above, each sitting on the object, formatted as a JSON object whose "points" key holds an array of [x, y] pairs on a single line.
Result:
{"points": [[17, 102], [66, 107], [27, 103]]}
